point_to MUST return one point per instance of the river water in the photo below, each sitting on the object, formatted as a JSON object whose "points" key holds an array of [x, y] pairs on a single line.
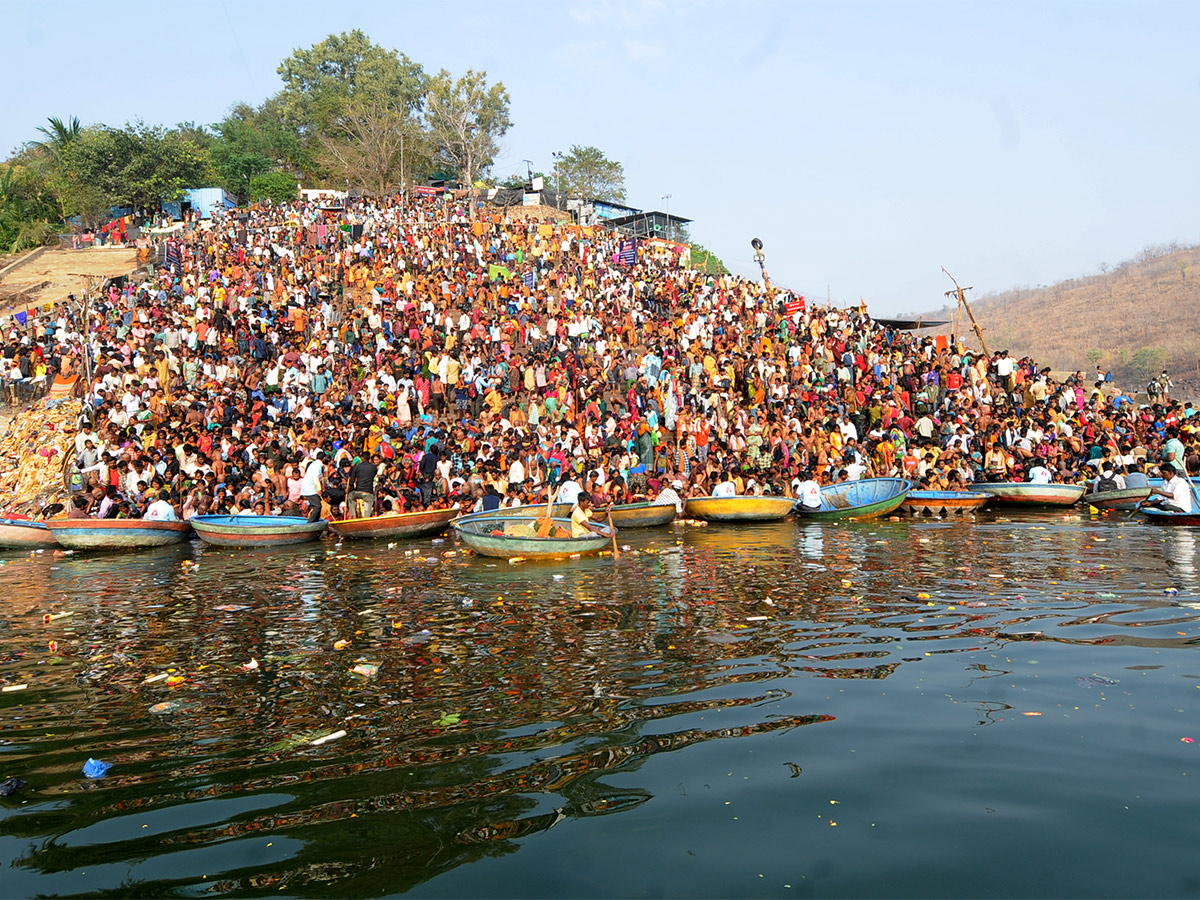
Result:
{"points": [[1001, 706]]}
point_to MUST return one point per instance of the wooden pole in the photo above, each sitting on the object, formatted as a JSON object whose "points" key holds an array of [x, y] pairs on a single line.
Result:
{"points": [[962, 300], [613, 531]]}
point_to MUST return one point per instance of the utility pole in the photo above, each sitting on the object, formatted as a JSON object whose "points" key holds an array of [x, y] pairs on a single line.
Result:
{"points": [[963, 304], [667, 197], [528, 172]]}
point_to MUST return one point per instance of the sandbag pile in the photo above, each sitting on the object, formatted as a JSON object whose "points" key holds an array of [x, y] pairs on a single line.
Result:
{"points": [[32, 451]]}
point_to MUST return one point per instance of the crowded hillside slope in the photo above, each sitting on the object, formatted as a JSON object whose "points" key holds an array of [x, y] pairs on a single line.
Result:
{"points": [[443, 359]]}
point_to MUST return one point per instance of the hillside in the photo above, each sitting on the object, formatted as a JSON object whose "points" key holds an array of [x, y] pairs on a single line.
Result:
{"points": [[1135, 319]]}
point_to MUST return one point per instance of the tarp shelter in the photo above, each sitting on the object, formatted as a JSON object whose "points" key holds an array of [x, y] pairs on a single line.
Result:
{"points": [[202, 201]]}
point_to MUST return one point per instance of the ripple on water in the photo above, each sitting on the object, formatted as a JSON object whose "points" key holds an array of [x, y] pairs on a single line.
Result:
{"points": [[505, 700]]}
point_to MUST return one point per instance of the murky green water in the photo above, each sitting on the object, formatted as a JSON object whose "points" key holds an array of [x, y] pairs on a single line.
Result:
{"points": [[760, 711]]}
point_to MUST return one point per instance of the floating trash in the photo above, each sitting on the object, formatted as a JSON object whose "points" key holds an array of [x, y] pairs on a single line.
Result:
{"points": [[1094, 681], [94, 768]]}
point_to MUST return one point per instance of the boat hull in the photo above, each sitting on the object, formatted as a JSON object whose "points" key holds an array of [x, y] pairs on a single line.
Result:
{"points": [[419, 524], [1125, 499], [867, 498], [936, 503], [1024, 493], [638, 515], [477, 534], [1166, 517], [624, 515], [256, 531], [738, 509], [18, 534], [116, 534]]}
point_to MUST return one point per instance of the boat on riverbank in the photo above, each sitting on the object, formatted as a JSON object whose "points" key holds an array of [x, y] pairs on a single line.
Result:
{"points": [[1026, 493], [117, 534], [417, 524], [1124, 499], [256, 531], [516, 537], [943, 503], [23, 534], [738, 508], [867, 498], [637, 515], [624, 515]]}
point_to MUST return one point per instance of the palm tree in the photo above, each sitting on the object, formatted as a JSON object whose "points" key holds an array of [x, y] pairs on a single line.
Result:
{"points": [[59, 134]]}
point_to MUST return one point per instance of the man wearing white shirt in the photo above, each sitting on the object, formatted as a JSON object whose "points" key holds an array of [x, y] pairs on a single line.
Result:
{"points": [[161, 509], [726, 488]]}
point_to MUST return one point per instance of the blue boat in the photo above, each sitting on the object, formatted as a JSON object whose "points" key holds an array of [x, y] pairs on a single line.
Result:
{"points": [[256, 531], [867, 498]]}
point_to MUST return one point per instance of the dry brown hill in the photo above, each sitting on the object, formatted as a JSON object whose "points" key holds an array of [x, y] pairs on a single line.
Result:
{"points": [[1135, 319]]}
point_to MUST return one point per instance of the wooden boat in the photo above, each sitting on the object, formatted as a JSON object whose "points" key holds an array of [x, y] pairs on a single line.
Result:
{"points": [[637, 515], [738, 509], [624, 515], [1128, 498], [943, 503], [525, 511], [418, 524], [512, 537], [1026, 493], [1167, 517], [256, 531], [116, 534], [867, 498], [23, 534]]}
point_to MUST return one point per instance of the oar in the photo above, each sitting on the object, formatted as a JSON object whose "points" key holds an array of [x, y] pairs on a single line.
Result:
{"points": [[613, 531]]}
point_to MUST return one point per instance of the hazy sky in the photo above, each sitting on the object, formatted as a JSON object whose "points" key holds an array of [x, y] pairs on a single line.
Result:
{"points": [[866, 144]]}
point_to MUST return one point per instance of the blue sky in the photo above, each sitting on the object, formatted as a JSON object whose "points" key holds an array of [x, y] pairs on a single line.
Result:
{"points": [[866, 144]]}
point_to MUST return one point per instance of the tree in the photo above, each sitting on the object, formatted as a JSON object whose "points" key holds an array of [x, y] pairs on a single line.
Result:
{"points": [[320, 81], [586, 172], [466, 120], [278, 187], [58, 134], [366, 144]]}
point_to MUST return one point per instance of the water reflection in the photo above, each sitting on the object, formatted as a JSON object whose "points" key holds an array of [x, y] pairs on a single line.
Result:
{"points": [[491, 701]]}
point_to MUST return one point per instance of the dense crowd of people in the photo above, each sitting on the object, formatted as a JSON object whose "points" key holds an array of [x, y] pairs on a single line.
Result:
{"points": [[390, 357]]}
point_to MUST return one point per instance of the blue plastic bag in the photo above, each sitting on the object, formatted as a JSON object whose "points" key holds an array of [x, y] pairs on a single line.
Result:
{"points": [[93, 768]]}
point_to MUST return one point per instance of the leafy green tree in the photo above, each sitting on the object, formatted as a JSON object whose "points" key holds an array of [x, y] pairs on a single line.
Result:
{"points": [[28, 214], [278, 187], [320, 81], [587, 172], [466, 119]]}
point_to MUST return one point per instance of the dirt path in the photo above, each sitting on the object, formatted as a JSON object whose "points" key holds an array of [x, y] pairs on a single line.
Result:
{"points": [[56, 273]]}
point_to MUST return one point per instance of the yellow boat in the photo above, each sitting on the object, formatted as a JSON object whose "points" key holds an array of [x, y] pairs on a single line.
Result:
{"points": [[738, 508]]}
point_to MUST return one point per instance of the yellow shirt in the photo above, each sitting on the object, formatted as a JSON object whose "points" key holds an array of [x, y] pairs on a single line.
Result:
{"points": [[579, 519]]}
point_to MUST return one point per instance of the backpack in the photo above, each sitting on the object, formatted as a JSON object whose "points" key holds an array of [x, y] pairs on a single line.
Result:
{"points": [[1107, 484]]}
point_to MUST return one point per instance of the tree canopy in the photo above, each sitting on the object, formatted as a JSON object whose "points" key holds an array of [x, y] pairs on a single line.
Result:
{"points": [[586, 172]]}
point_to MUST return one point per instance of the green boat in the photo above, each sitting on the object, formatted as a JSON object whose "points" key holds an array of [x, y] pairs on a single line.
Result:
{"points": [[867, 498], [514, 537]]}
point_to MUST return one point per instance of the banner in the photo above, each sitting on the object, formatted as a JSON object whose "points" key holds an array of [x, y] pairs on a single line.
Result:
{"points": [[530, 280], [627, 255], [794, 306]]}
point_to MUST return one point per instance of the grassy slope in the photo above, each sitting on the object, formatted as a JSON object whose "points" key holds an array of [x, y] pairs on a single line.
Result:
{"points": [[1136, 319]]}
